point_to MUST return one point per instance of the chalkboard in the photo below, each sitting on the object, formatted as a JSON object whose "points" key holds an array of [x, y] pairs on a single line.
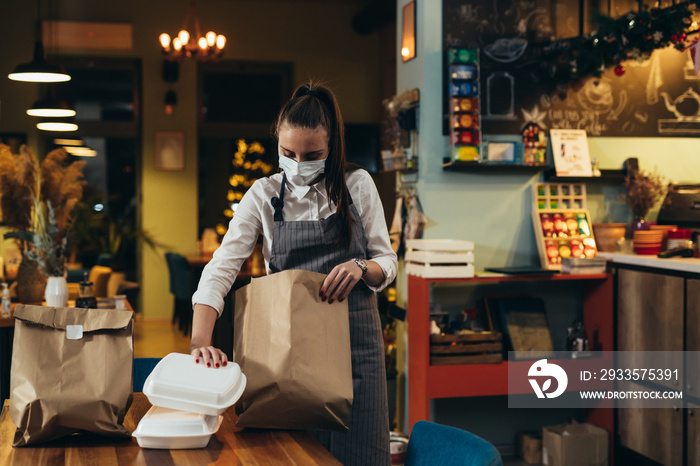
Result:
{"points": [[522, 81]]}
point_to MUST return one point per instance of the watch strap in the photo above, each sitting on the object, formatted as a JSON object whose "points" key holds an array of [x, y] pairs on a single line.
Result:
{"points": [[362, 265]]}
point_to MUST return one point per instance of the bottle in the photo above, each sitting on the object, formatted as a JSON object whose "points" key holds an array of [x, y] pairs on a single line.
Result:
{"points": [[5, 300], [570, 339], [581, 337]]}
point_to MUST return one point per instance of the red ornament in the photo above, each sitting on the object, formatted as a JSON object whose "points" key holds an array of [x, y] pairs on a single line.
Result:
{"points": [[619, 70]]}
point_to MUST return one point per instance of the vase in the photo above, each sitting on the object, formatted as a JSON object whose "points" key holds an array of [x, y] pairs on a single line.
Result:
{"points": [[31, 282], [56, 292], [638, 224], [608, 234]]}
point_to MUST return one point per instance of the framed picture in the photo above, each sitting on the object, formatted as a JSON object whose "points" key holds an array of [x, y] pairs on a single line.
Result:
{"points": [[169, 150], [523, 322], [408, 32], [570, 152]]}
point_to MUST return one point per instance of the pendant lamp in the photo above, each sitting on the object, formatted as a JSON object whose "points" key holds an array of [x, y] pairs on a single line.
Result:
{"points": [[50, 107], [57, 124], [39, 70]]}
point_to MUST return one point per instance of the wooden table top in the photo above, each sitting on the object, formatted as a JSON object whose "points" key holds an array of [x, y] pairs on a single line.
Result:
{"points": [[229, 446]]}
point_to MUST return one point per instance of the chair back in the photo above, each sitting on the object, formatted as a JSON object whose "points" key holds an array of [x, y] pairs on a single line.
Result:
{"points": [[142, 368], [99, 276], [104, 259], [180, 275], [433, 444]]}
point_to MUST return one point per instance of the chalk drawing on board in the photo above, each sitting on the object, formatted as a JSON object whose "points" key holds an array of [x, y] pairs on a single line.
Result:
{"points": [[686, 109], [689, 70], [621, 104], [643, 117], [534, 116], [596, 99], [540, 23], [501, 84], [469, 15], [655, 80], [506, 50]]}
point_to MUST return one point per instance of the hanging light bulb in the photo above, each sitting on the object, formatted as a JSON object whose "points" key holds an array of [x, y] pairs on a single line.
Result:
{"points": [[211, 38], [220, 42], [184, 36], [186, 44], [165, 41]]}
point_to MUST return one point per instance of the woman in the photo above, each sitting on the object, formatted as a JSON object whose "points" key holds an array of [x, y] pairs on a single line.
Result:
{"points": [[324, 215]]}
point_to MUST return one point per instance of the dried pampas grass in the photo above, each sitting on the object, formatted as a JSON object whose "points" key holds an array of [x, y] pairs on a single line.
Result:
{"points": [[18, 184], [61, 185]]}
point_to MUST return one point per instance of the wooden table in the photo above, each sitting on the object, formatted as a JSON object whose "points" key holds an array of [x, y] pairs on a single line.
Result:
{"points": [[230, 446]]}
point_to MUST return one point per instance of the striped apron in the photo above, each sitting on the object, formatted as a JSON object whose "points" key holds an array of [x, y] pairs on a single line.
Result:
{"points": [[307, 245]]}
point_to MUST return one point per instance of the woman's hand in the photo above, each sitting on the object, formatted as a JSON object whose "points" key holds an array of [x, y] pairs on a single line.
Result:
{"points": [[340, 281], [212, 357], [203, 320]]}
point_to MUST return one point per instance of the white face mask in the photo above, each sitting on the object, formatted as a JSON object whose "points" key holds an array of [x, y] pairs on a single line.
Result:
{"points": [[301, 173]]}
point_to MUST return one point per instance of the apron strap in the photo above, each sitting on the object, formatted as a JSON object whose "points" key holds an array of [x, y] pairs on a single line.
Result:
{"points": [[278, 202]]}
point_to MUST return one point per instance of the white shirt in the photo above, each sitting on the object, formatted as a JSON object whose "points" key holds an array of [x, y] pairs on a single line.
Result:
{"points": [[255, 215]]}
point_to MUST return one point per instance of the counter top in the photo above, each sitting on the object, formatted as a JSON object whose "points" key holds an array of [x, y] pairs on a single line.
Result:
{"points": [[681, 264]]}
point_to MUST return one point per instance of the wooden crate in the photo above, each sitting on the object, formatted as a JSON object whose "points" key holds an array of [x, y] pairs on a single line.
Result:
{"points": [[470, 348], [555, 206], [440, 258]]}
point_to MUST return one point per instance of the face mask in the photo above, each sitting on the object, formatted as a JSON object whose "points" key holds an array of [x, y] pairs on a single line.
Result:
{"points": [[301, 173]]}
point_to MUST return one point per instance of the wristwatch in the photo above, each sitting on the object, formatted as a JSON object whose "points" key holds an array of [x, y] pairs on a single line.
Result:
{"points": [[361, 264]]}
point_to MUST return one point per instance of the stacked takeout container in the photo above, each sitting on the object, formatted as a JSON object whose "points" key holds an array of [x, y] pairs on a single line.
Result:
{"points": [[188, 402]]}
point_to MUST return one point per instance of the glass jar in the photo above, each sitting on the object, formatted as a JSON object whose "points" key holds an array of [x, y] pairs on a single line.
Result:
{"points": [[86, 295]]}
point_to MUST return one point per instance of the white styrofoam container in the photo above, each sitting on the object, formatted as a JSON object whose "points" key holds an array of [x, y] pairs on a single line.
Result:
{"points": [[166, 428], [178, 383]]}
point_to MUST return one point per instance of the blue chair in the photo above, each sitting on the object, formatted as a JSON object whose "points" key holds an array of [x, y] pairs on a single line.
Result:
{"points": [[432, 444], [104, 259], [181, 288], [142, 368]]}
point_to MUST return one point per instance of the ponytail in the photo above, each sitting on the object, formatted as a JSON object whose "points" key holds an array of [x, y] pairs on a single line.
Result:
{"points": [[313, 105]]}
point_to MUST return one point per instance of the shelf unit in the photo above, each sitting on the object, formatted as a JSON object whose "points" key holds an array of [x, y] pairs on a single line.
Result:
{"points": [[479, 167], [426, 382], [605, 176]]}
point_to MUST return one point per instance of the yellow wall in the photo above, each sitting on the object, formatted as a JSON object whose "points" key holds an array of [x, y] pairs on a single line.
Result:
{"points": [[315, 35]]}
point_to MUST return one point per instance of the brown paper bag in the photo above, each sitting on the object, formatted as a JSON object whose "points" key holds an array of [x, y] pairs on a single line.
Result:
{"points": [[295, 351], [71, 371]]}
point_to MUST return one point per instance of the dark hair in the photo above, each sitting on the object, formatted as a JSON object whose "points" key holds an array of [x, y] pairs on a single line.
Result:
{"points": [[313, 105]]}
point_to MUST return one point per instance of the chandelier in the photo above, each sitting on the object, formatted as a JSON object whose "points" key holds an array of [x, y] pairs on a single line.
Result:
{"points": [[185, 45]]}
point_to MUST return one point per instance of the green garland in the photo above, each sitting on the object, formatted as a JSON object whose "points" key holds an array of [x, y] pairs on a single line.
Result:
{"points": [[633, 36]]}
